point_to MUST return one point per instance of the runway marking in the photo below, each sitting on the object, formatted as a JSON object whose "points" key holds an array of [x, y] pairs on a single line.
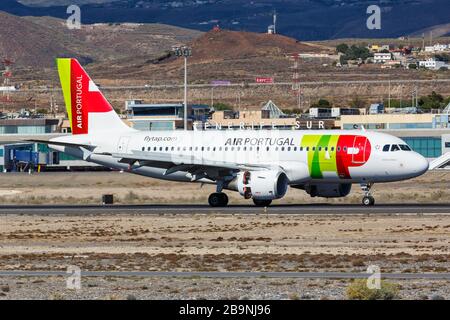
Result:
{"points": [[187, 274]]}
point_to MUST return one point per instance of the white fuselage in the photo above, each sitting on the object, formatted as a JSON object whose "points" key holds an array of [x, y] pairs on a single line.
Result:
{"points": [[286, 149]]}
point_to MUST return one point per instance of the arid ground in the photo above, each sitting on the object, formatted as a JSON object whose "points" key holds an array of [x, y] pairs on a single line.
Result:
{"points": [[213, 242]]}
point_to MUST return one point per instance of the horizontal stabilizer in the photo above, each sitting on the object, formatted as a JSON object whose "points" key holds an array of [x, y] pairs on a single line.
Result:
{"points": [[64, 144]]}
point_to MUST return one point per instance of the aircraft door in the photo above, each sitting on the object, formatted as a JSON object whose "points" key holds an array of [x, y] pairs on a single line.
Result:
{"points": [[359, 150], [122, 146]]}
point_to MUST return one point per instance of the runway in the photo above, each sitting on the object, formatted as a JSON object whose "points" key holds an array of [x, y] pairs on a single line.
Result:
{"points": [[300, 275], [386, 209]]}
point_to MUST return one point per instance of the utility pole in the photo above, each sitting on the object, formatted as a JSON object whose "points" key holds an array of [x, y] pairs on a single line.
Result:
{"points": [[423, 42], [185, 93], [184, 52]]}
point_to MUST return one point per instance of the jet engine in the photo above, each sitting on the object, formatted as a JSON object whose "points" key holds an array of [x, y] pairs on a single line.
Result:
{"points": [[336, 190], [261, 185]]}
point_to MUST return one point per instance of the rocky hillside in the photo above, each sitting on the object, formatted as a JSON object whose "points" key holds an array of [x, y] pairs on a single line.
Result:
{"points": [[37, 41]]}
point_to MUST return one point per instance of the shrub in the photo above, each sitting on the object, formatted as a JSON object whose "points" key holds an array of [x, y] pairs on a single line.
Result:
{"points": [[358, 290]]}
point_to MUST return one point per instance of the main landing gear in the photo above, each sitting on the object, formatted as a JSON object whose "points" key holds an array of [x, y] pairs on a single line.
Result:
{"points": [[218, 199], [367, 200]]}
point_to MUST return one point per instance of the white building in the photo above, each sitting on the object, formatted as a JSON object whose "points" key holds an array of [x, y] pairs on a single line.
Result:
{"points": [[382, 57], [433, 64], [437, 48]]}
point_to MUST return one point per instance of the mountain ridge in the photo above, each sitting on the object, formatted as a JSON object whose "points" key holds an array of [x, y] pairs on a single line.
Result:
{"points": [[301, 19]]}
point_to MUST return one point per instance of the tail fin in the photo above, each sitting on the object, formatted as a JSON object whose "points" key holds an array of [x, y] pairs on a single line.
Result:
{"points": [[87, 108]]}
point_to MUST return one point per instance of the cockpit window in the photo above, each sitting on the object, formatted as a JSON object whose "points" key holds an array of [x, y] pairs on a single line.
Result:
{"points": [[405, 147], [386, 148], [395, 147]]}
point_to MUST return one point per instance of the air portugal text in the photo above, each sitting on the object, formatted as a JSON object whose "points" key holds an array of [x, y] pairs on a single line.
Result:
{"points": [[79, 102], [260, 142]]}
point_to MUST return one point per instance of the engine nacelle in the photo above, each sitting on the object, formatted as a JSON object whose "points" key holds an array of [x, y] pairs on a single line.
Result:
{"points": [[262, 185], [336, 190]]}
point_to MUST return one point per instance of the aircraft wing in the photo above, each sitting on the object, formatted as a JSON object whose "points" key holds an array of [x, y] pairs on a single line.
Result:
{"points": [[197, 167], [64, 144]]}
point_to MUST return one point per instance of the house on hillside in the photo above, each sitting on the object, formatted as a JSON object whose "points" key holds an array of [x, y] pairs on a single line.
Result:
{"points": [[380, 57], [433, 64], [437, 48]]}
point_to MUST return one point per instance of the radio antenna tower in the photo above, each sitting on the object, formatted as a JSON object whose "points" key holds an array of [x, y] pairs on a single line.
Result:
{"points": [[7, 74], [296, 89], [274, 21]]}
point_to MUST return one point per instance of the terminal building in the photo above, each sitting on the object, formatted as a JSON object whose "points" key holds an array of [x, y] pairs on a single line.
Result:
{"points": [[16, 154], [168, 116]]}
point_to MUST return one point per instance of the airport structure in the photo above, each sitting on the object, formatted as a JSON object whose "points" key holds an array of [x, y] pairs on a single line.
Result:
{"points": [[168, 116], [426, 133]]}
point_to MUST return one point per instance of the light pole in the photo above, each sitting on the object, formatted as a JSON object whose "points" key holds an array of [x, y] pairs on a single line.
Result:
{"points": [[184, 52]]}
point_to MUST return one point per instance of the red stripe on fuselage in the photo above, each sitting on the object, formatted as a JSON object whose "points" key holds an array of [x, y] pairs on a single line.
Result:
{"points": [[344, 160]]}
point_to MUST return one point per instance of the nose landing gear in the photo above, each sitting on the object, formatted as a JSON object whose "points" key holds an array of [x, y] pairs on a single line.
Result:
{"points": [[367, 200]]}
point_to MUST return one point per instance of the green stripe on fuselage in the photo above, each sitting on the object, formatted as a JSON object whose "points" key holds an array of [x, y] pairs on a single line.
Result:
{"points": [[320, 157]]}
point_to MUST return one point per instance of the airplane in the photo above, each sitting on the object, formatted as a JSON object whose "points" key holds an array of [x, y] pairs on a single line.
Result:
{"points": [[259, 164]]}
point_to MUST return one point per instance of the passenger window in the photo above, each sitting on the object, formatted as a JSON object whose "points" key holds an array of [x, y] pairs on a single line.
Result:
{"points": [[307, 148], [320, 148], [267, 148], [395, 147], [332, 149], [295, 148], [345, 149], [143, 148], [386, 148], [339, 149]]}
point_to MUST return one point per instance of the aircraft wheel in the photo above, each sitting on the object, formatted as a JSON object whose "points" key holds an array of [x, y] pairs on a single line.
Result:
{"points": [[368, 201], [262, 203], [218, 199]]}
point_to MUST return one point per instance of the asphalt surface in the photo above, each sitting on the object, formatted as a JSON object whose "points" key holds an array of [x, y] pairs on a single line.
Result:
{"points": [[205, 209], [305, 275]]}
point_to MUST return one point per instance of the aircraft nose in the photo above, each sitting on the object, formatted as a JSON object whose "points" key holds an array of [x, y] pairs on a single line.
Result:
{"points": [[419, 164]]}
